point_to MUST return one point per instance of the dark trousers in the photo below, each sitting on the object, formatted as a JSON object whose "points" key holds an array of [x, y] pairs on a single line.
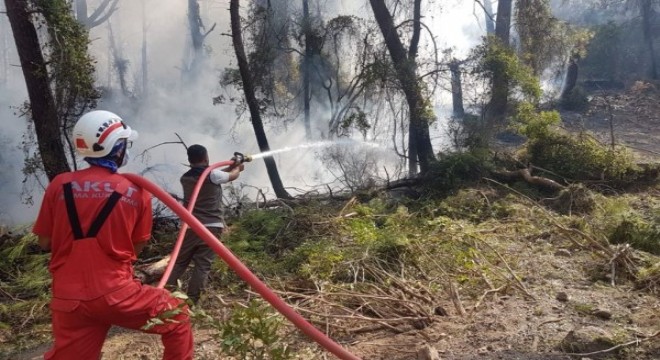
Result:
{"points": [[201, 255]]}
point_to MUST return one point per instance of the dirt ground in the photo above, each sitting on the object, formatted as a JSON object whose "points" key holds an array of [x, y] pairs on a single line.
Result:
{"points": [[507, 325], [633, 115], [504, 326]]}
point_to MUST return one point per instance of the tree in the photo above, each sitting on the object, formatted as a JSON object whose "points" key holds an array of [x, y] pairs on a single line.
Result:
{"points": [[456, 88], [271, 62], [4, 48], [544, 40], [198, 34], [250, 97], [646, 11], [145, 67], [488, 13], [119, 62], [59, 75], [307, 63], [98, 16], [500, 83], [420, 151], [571, 77], [487, 7], [42, 103], [346, 65]]}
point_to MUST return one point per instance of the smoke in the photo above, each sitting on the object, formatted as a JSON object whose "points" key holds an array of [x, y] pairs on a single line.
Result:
{"points": [[177, 105], [12, 94]]}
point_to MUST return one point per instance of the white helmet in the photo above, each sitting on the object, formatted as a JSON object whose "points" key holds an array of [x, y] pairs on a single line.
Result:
{"points": [[97, 131]]}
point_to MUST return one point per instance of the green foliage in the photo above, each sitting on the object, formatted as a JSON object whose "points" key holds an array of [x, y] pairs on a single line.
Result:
{"points": [[317, 260], [649, 278], [473, 205], [70, 70], [257, 232], [70, 66], [603, 59], [252, 332], [533, 124], [495, 58], [24, 271], [580, 158], [168, 316], [453, 170], [575, 100], [640, 233], [24, 280], [575, 199], [358, 120], [544, 39]]}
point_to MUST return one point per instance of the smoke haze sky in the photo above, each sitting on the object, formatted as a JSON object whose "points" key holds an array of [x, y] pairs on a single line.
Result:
{"points": [[188, 110]]}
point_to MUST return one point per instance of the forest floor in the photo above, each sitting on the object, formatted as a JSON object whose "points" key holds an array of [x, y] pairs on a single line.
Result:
{"points": [[563, 289]]}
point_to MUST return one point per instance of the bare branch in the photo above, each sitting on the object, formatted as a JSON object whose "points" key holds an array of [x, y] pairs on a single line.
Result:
{"points": [[417, 29], [97, 18], [142, 154]]}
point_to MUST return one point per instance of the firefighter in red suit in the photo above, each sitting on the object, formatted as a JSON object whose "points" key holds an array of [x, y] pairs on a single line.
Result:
{"points": [[95, 222]]}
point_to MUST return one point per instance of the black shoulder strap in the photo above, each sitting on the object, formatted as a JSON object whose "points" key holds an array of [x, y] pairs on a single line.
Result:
{"points": [[103, 215], [74, 220], [72, 212]]}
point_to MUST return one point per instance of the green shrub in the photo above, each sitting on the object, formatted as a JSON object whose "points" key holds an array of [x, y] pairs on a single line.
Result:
{"points": [[257, 231], [466, 204], [575, 100], [649, 278], [24, 269], [534, 124], [452, 171], [579, 158], [316, 260], [574, 199], [603, 60], [496, 58], [252, 331], [639, 233]]}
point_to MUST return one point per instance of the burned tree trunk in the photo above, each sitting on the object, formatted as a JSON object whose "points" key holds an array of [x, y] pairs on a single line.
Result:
{"points": [[490, 19], [500, 83], [571, 78], [4, 48], [419, 144], [119, 63], [42, 103], [145, 67], [456, 89], [198, 36], [646, 9], [307, 63], [251, 99]]}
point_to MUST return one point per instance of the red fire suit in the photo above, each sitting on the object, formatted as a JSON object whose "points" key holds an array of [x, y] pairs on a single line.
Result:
{"points": [[94, 218]]}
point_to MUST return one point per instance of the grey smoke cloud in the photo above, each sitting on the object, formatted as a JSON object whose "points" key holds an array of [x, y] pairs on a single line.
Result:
{"points": [[174, 107]]}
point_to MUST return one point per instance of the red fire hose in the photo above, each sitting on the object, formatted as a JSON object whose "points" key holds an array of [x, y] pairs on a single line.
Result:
{"points": [[233, 262]]}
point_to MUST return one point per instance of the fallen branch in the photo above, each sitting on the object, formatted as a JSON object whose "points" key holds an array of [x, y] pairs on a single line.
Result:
{"points": [[525, 174], [486, 293], [513, 275], [455, 298], [607, 253]]}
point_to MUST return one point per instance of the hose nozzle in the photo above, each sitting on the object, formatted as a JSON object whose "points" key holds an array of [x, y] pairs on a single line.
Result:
{"points": [[239, 158]]}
